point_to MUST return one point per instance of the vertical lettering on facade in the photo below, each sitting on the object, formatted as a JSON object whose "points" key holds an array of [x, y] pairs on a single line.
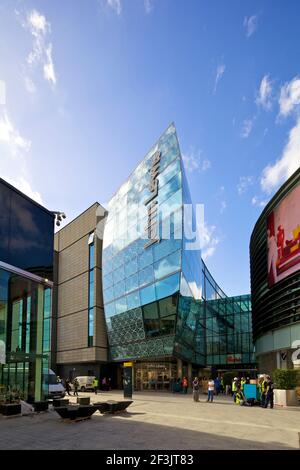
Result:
{"points": [[152, 225]]}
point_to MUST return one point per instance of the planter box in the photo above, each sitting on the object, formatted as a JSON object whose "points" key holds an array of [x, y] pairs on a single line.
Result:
{"points": [[11, 409], [76, 413], [102, 407], [40, 406], [83, 400], [285, 397], [63, 402]]}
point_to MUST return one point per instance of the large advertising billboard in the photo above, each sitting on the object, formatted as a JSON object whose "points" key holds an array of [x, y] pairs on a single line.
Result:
{"points": [[283, 226]]}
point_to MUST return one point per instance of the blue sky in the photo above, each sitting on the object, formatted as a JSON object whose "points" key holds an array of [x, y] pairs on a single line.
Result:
{"points": [[86, 87]]}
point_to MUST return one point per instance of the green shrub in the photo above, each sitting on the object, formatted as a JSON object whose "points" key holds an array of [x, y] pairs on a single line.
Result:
{"points": [[285, 379]]}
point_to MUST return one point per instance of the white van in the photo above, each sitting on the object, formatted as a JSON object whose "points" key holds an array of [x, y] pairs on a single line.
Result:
{"points": [[85, 382], [56, 388]]}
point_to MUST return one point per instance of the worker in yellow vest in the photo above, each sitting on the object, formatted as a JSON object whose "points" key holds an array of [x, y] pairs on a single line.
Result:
{"points": [[95, 385], [243, 381], [234, 387]]}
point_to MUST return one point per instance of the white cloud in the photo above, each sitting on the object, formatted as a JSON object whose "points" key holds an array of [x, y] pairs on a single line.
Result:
{"points": [[193, 162], [148, 6], [258, 202], [41, 53], [11, 136], [264, 94], [274, 175], [244, 183], [116, 5], [29, 85], [13, 148], [219, 74], [247, 128], [289, 96], [209, 241], [49, 72], [23, 185], [250, 24]]}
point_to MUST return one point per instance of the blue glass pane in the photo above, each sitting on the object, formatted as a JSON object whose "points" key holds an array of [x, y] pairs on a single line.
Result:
{"points": [[168, 173], [91, 295], [132, 283], [133, 300], [167, 265], [131, 267], [121, 305], [165, 247], [110, 309], [147, 295], [108, 294], [145, 258], [119, 289], [146, 276], [91, 256], [170, 188], [119, 274], [167, 286], [170, 205], [108, 281], [91, 277]]}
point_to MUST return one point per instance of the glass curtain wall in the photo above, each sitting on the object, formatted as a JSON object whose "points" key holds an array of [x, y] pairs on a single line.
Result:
{"points": [[25, 325], [141, 282], [160, 300]]}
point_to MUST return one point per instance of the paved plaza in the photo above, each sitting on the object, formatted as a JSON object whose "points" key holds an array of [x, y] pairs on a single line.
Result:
{"points": [[158, 421]]}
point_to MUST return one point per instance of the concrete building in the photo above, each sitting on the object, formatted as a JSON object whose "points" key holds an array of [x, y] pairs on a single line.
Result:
{"points": [[275, 279], [79, 331]]}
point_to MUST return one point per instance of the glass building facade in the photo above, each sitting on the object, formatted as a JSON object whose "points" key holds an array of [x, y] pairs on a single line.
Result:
{"points": [[156, 289], [25, 297]]}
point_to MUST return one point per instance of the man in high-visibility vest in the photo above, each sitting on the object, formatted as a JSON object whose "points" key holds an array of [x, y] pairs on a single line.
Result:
{"points": [[234, 387], [95, 385], [243, 381], [263, 390]]}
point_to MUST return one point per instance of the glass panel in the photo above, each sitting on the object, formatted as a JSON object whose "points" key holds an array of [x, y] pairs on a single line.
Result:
{"points": [[133, 300], [146, 276], [168, 306], [147, 294], [167, 265], [132, 283], [91, 256], [167, 286], [119, 289], [168, 325], [121, 305]]}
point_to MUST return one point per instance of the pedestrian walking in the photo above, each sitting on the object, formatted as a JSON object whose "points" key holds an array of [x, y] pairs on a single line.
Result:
{"points": [[263, 391], [68, 387], [196, 389], [185, 385], [269, 399], [211, 389], [95, 385], [76, 385]]}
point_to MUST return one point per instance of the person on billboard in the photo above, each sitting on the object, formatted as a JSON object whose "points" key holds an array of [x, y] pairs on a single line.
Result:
{"points": [[280, 241]]}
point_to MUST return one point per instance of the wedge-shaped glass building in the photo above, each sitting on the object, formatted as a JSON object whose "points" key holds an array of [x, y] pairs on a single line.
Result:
{"points": [[155, 284]]}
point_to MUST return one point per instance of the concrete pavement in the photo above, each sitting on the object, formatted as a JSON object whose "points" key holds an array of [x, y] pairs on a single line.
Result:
{"points": [[159, 421]]}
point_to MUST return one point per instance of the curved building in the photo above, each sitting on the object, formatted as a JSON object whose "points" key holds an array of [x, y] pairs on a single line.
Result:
{"points": [[275, 278], [163, 309]]}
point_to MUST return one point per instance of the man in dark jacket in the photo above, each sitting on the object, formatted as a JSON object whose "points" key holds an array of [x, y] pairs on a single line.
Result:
{"points": [[269, 398]]}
